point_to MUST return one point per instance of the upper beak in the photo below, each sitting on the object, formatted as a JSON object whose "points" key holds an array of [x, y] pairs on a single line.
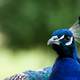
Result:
{"points": [[53, 41], [49, 42]]}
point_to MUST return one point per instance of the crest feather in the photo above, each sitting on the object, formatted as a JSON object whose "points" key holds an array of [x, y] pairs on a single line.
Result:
{"points": [[75, 29]]}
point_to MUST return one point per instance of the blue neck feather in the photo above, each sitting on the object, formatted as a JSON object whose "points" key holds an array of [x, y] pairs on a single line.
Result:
{"points": [[66, 51]]}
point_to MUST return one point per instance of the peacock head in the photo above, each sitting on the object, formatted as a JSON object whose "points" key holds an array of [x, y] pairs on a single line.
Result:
{"points": [[62, 41]]}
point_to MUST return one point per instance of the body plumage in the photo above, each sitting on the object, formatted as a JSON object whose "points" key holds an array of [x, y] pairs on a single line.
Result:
{"points": [[67, 65]]}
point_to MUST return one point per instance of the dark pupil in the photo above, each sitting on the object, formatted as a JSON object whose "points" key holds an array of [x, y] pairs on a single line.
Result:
{"points": [[66, 38]]}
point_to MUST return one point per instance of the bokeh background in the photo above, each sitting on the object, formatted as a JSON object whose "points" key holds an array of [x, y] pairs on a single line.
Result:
{"points": [[25, 27]]}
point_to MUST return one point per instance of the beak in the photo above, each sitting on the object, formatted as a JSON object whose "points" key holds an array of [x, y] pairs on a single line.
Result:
{"points": [[49, 42], [53, 40]]}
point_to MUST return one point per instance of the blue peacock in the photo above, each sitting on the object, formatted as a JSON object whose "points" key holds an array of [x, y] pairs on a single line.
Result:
{"points": [[67, 65]]}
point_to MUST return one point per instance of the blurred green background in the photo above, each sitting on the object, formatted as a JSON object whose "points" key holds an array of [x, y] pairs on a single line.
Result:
{"points": [[25, 27]]}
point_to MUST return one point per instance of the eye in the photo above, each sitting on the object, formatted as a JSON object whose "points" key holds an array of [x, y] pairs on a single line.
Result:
{"points": [[66, 38], [55, 38]]}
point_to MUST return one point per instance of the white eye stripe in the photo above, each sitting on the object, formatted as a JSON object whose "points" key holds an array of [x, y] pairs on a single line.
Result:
{"points": [[70, 42], [55, 38], [61, 37]]}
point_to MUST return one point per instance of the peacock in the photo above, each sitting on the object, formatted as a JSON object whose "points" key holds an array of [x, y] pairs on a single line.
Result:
{"points": [[67, 64]]}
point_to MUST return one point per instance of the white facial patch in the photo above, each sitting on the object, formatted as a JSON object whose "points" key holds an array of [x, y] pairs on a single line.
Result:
{"points": [[55, 40], [61, 37], [52, 40], [70, 42]]}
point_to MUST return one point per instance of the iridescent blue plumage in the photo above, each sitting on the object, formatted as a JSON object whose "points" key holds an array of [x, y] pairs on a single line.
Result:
{"points": [[67, 65], [39, 75], [33, 75], [66, 69]]}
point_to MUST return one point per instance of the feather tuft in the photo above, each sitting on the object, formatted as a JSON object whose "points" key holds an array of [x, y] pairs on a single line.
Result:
{"points": [[75, 29]]}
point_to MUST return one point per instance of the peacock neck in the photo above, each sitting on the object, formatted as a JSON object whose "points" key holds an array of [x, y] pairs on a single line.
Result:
{"points": [[75, 52], [70, 52]]}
